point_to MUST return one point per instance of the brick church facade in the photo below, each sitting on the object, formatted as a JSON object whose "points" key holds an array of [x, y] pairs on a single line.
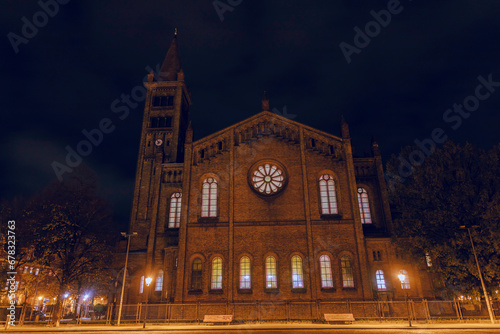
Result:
{"points": [[266, 209]]}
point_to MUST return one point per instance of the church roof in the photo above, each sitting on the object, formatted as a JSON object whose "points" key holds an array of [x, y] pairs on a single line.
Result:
{"points": [[171, 64]]}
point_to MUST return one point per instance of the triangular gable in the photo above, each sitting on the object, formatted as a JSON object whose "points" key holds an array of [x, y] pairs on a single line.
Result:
{"points": [[262, 124]]}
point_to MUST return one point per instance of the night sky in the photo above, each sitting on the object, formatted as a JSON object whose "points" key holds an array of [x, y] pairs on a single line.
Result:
{"points": [[65, 76]]}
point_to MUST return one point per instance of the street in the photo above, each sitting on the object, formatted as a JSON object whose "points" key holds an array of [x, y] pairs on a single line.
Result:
{"points": [[342, 330]]}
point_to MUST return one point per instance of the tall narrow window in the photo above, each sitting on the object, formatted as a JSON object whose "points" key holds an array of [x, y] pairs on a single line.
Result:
{"points": [[216, 273], [297, 273], [209, 198], [379, 277], [326, 271], [347, 276], [174, 218], [245, 278], [327, 195], [364, 206], [159, 281], [196, 275], [405, 284], [428, 259], [271, 280], [141, 285]]}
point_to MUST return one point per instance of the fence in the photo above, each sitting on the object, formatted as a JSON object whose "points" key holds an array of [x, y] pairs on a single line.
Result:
{"points": [[286, 311], [303, 311]]}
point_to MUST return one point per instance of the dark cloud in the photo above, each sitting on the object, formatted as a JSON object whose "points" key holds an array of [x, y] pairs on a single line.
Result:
{"points": [[397, 88]]}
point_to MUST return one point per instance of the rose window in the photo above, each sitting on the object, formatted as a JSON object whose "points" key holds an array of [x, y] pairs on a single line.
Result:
{"points": [[268, 179]]}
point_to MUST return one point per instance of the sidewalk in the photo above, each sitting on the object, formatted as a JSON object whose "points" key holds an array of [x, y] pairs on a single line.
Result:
{"points": [[242, 327]]}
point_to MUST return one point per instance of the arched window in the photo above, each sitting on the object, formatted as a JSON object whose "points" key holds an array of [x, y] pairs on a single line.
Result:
{"points": [[405, 284], [428, 259], [174, 218], [159, 281], [297, 273], [141, 285], [347, 276], [379, 277], [209, 198], [196, 275], [245, 278], [271, 279], [328, 195], [326, 271], [364, 206], [216, 273]]}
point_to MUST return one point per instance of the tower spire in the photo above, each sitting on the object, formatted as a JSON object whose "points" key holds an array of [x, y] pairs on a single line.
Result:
{"points": [[172, 62], [265, 102], [344, 128]]}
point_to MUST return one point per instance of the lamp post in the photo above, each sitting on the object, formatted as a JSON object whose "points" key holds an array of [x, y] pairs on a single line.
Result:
{"points": [[402, 278], [38, 302], [148, 282], [488, 305], [124, 274]]}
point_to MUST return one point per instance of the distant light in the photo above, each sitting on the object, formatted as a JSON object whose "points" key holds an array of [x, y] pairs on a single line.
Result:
{"points": [[148, 281], [40, 298], [102, 299], [85, 297], [66, 295]]}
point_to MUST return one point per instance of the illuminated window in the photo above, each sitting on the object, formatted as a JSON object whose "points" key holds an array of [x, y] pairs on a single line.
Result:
{"points": [[141, 286], [364, 206], [405, 284], [209, 198], [25, 270], [159, 281], [297, 273], [327, 195], [268, 179], [245, 278], [326, 271], [31, 270], [271, 280], [196, 275], [174, 218], [347, 276], [428, 260], [216, 273], [379, 277], [37, 271]]}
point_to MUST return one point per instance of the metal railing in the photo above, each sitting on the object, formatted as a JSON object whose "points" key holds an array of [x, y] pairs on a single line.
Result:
{"points": [[268, 311]]}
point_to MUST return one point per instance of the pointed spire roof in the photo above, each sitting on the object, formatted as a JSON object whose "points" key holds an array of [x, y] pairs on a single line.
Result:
{"points": [[344, 128], [265, 102], [172, 63]]}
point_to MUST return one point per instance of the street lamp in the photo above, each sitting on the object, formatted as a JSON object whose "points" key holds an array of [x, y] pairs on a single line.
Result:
{"points": [[38, 302], [402, 277], [148, 282], [124, 274], [488, 306]]}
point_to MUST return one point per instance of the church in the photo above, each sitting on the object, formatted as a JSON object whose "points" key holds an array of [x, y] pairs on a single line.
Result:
{"points": [[267, 209]]}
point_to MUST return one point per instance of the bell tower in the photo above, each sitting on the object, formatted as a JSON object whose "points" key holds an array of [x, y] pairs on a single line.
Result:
{"points": [[164, 126]]}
